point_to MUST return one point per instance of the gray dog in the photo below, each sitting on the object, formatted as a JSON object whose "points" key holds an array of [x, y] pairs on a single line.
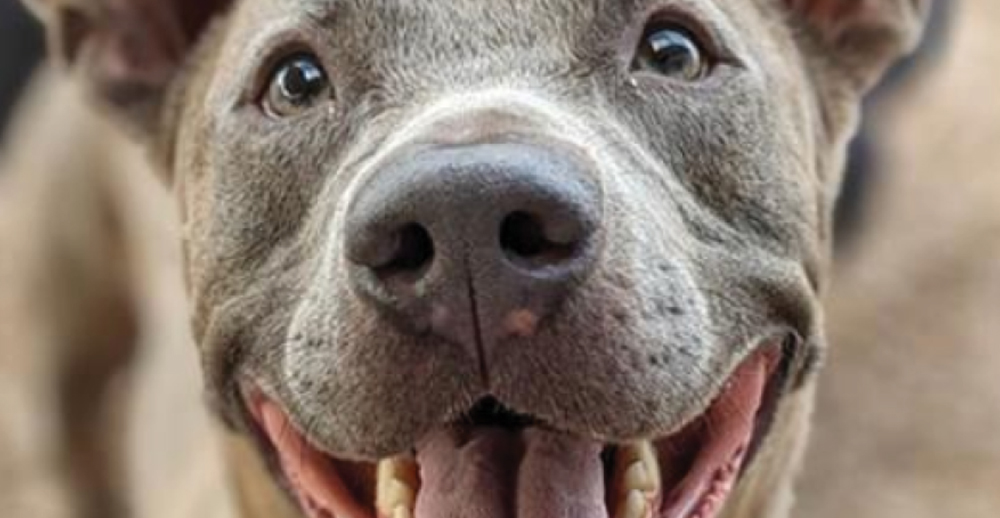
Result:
{"points": [[508, 258]]}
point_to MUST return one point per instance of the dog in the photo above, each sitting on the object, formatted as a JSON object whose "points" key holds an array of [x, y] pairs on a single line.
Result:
{"points": [[537, 258]]}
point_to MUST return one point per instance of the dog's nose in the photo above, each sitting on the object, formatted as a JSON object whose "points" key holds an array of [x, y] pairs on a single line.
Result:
{"points": [[475, 243]]}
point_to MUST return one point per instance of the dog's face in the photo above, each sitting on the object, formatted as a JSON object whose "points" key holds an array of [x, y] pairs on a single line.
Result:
{"points": [[500, 258]]}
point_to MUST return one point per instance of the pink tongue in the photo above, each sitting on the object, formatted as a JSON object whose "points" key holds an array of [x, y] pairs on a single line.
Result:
{"points": [[496, 473]]}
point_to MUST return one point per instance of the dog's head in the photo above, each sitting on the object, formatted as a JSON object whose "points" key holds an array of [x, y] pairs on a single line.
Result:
{"points": [[500, 258]]}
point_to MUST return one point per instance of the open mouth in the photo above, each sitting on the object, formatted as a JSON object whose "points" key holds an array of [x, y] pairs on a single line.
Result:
{"points": [[497, 464]]}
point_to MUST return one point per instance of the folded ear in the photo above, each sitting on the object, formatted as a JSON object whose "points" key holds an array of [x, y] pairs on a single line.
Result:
{"points": [[859, 39], [127, 51]]}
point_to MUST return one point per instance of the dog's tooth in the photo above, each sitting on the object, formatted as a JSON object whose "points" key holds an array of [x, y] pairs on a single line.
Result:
{"points": [[637, 468], [637, 477], [636, 482], [634, 505], [404, 469], [627, 454], [394, 493], [397, 486]]}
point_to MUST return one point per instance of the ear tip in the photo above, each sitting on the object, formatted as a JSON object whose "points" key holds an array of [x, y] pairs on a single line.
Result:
{"points": [[127, 51], [864, 37]]}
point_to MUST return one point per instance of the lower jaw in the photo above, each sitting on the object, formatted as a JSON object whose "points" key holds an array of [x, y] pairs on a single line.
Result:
{"points": [[488, 472]]}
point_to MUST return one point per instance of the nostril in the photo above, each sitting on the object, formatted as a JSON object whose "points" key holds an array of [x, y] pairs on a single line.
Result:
{"points": [[521, 234], [413, 255], [523, 238]]}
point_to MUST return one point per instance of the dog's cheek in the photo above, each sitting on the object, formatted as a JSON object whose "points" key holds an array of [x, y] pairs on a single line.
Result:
{"points": [[243, 202], [735, 157]]}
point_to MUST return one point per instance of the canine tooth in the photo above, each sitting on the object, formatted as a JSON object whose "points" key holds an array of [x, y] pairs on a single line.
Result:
{"points": [[401, 468], [633, 506], [394, 493], [636, 477], [637, 468], [397, 486]]}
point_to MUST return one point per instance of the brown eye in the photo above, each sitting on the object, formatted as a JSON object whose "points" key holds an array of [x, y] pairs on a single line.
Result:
{"points": [[671, 51], [297, 84]]}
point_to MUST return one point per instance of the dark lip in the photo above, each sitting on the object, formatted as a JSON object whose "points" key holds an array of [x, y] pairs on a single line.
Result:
{"points": [[791, 353]]}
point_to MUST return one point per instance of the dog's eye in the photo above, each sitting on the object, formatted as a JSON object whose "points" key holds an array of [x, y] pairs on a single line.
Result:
{"points": [[297, 84], [671, 51]]}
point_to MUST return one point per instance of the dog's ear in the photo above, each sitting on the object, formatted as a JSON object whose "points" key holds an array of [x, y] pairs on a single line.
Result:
{"points": [[859, 39], [127, 51]]}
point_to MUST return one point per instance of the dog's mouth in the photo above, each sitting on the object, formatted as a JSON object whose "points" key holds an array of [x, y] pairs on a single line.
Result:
{"points": [[498, 464]]}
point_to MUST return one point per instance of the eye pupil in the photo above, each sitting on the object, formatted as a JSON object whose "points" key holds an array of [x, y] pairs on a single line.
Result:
{"points": [[671, 52], [301, 80], [297, 84]]}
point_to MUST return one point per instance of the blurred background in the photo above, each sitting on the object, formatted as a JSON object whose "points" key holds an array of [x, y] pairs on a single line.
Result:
{"points": [[909, 406]]}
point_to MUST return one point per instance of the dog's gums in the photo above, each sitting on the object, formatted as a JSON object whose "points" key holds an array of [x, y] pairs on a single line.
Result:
{"points": [[500, 470]]}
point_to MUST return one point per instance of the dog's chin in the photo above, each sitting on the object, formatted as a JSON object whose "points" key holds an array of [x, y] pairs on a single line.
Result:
{"points": [[498, 464]]}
